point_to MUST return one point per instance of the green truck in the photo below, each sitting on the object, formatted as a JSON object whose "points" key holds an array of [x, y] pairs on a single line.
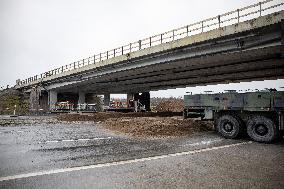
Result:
{"points": [[258, 114]]}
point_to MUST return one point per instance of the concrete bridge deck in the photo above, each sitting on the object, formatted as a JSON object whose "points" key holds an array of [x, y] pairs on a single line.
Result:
{"points": [[241, 51], [249, 50]]}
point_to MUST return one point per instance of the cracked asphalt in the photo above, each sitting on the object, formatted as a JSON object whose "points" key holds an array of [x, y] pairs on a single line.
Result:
{"points": [[84, 155]]}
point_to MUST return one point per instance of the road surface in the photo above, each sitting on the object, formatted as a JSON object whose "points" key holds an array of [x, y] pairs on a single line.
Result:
{"points": [[83, 155]]}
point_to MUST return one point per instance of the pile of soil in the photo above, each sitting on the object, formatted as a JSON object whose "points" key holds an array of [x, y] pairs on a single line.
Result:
{"points": [[156, 126], [143, 124], [172, 105], [102, 116]]}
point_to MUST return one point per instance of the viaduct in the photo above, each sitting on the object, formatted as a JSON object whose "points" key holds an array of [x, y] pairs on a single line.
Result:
{"points": [[242, 45]]}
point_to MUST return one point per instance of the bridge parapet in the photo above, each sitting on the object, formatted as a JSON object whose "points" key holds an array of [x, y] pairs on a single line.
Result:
{"points": [[175, 38]]}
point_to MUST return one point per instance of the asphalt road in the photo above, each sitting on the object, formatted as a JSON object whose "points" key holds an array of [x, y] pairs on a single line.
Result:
{"points": [[87, 156]]}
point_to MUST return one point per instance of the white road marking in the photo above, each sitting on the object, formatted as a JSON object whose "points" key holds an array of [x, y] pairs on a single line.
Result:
{"points": [[102, 138], [84, 139], [74, 140], [53, 141], [204, 142], [71, 140], [55, 171]]}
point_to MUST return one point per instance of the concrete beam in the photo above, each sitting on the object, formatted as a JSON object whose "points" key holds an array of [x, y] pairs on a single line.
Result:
{"points": [[196, 56], [215, 69], [222, 78], [198, 73]]}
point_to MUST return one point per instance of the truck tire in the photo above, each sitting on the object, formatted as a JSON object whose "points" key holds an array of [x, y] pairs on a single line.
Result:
{"points": [[262, 129], [229, 126]]}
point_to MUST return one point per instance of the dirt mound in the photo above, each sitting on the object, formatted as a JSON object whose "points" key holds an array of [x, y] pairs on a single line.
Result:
{"points": [[144, 124], [102, 116], [156, 126], [172, 105]]}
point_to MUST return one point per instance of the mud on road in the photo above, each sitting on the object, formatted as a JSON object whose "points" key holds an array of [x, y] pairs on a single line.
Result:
{"points": [[156, 126], [149, 124], [163, 124]]}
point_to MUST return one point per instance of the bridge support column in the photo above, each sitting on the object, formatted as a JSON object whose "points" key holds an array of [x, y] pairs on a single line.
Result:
{"points": [[106, 99], [130, 96], [82, 98], [52, 99], [34, 99], [145, 100], [282, 38]]}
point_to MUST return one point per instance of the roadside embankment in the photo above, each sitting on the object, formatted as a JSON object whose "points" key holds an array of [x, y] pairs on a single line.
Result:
{"points": [[11, 100]]}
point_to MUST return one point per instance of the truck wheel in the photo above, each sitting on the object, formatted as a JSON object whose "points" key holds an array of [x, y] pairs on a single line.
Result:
{"points": [[262, 129], [229, 126]]}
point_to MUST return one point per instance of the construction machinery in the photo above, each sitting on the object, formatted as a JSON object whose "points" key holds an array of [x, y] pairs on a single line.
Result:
{"points": [[259, 114]]}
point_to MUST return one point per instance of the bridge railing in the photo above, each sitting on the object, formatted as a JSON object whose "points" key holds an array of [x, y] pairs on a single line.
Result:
{"points": [[233, 17]]}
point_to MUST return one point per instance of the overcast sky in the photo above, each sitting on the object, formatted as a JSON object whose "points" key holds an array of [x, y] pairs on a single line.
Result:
{"points": [[39, 35]]}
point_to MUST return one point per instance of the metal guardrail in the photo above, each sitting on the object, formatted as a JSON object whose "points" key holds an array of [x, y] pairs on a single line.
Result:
{"points": [[229, 18]]}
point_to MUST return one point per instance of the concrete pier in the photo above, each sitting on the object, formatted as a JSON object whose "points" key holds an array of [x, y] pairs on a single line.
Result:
{"points": [[144, 99], [130, 96], [52, 99], [82, 98], [106, 99], [34, 99]]}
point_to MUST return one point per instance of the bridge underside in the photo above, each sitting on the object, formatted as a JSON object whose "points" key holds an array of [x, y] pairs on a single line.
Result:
{"points": [[260, 64], [248, 51], [249, 56]]}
